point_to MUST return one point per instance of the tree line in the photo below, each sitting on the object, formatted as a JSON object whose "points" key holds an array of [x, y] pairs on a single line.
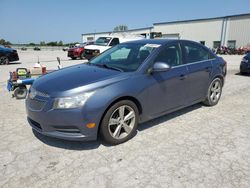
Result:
{"points": [[42, 43]]}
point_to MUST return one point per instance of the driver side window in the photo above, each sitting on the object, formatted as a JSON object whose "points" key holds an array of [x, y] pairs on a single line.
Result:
{"points": [[170, 55]]}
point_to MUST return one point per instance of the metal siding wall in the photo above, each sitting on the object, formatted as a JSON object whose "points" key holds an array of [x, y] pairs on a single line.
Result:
{"points": [[95, 36], [208, 31], [239, 30], [84, 37]]}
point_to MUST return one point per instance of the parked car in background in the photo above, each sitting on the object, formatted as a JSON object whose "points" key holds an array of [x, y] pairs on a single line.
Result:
{"points": [[245, 64], [104, 43], [78, 51], [23, 48], [130, 83], [7, 55], [37, 48]]}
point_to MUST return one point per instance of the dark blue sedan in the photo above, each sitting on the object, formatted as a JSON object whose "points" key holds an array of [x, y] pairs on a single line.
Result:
{"points": [[245, 64], [128, 84], [7, 55]]}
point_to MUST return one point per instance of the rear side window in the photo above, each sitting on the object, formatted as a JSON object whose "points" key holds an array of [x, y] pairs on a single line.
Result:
{"points": [[114, 42], [195, 53]]}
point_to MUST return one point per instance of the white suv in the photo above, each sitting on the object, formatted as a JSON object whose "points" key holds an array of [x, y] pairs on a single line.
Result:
{"points": [[104, 43]]}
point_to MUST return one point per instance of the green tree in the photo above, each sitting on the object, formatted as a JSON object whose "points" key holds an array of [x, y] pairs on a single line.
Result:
{"points": [[3, 42], [121, 28], [42, 43], [60, 43], [32, 44]]}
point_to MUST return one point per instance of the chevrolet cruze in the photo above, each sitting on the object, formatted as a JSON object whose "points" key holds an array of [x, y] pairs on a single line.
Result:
{"points": [[126, 85]]}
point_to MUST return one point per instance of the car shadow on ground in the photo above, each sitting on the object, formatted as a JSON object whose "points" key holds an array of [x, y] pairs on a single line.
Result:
{"points": [[244, 74], [168, 117], [90, 145]]}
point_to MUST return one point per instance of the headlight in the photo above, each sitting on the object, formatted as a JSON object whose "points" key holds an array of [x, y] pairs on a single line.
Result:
{"points": [[72, 102]]}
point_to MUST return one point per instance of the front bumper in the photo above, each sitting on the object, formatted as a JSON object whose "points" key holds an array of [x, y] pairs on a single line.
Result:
{"points": [[13, 56], [64, 124], [245, 67]]}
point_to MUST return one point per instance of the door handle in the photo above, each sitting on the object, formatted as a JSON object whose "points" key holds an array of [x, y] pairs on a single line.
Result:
{"points": [[183, 77]]}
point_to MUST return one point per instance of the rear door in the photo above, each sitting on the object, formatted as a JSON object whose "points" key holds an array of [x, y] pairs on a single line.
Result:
{"points": [[199, 65]]}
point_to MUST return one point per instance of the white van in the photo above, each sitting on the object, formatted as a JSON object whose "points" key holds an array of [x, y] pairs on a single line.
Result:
{"points": [[104, 43]]}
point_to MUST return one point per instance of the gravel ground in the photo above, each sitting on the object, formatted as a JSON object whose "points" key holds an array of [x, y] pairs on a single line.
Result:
{"points": [[195, 147]]}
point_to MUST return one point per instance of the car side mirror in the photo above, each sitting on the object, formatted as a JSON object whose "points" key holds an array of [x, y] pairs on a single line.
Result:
{"points": [[160, 67]]}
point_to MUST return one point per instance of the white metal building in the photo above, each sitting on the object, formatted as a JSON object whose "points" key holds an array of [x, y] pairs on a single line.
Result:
{"points": [[233, 31]]}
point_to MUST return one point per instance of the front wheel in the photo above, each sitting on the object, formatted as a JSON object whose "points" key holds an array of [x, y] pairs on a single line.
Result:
{"points": [[214, 92], [4, 60], [120, 122]]}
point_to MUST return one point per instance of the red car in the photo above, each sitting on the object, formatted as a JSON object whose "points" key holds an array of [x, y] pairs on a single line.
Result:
{"points": [[78, 51]]}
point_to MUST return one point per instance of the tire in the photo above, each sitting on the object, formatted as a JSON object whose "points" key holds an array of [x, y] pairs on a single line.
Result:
{"points": [[20, 92], [82, 56], [73, 58], [214, 92], [114, 129], [4, 60]]}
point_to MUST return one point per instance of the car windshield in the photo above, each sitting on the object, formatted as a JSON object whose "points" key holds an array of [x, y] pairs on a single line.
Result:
{"points": [[125, 57], [102, 41]]}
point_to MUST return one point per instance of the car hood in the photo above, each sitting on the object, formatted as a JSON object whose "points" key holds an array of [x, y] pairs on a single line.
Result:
{"points": [[97, 47], [6, 49], [77, 79]]}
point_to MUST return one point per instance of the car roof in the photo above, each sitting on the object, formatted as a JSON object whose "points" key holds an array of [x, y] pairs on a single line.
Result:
{"points": [[159, 41]]}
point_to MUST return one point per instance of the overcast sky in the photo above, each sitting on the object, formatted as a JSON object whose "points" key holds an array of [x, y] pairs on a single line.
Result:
{"points": [[24, 21]]}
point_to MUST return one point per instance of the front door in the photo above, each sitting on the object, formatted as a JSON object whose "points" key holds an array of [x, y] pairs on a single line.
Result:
{"points": [[167, 90]]}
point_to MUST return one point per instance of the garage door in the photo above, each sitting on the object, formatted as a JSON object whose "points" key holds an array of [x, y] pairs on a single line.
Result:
{"points": [[171, 36]]}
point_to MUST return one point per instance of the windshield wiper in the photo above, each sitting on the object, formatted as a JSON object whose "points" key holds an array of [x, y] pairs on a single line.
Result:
{"points": [[105, 66], [109, 67]]}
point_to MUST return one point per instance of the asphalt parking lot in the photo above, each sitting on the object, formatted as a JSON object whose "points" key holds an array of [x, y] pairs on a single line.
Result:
{"points": [[195, 147]]}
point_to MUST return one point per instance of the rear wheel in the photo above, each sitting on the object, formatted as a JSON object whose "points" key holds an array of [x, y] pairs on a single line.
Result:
{"points": [[214, 92], [73, 58], [120, 122]]}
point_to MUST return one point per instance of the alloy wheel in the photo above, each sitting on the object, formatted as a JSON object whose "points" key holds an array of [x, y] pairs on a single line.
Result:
{"points": [[121, 122], [215, 91]]}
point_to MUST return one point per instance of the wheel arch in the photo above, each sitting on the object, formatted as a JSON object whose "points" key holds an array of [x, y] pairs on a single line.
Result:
{"points": [[222, 78], [133, 99]]}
